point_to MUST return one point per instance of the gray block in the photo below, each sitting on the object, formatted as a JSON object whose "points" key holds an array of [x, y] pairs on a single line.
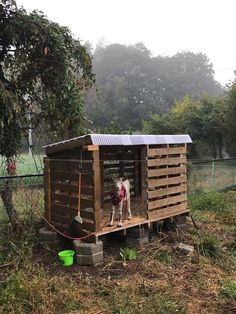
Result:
{"points": [[89, 260], [48, 235], [84, 248], [180, 220], [136, 242], [137, 232]]}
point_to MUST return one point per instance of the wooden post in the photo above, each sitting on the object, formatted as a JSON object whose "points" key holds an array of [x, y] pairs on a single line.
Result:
{"points": [[136, 175], [144, 183], [97, 190], [47, 188]]}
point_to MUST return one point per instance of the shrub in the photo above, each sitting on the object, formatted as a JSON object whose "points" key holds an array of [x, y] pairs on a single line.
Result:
{"points": [[212, 201], [164, 257]]}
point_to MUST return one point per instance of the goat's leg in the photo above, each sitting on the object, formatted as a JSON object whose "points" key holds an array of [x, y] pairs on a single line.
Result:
{"points": [[120, 214], [112, 215], [128, 208]]}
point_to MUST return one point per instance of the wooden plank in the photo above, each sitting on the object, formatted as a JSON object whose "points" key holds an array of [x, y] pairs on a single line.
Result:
{"points": [[136, 174], [167, 201], [60, 176], [64, 210], [165, 171], [166, 161], [97, 190], [166, 181], [90, 147], [172, 211], [65, 219], [152, 152], [85, 203], [47, 188], [87, 190], [87, 213], [88, 225], [144, 176], [64, 187], [65, 199], [167, 191]]}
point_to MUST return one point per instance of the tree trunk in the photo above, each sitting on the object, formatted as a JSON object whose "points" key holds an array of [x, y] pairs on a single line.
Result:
{"points": [[220, 146], [6, 194]]}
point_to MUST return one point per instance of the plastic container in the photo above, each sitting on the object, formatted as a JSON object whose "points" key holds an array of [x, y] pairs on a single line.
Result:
{"points": [[66, 257]]}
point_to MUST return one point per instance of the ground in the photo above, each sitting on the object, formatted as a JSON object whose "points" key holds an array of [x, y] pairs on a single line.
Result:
{"points": [[162, 279]]}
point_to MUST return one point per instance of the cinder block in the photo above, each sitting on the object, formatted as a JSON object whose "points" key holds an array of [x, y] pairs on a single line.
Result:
{"points": [[48, 235], [180, 220], [137, 232], [84, 248], [136, 242], [89, 260]]}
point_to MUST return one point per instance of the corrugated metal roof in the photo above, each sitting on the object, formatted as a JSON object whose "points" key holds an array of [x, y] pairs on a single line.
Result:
{"points": [[114, 139], [110, 139]]}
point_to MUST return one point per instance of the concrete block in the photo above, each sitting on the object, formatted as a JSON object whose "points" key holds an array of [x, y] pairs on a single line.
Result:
{"points": [[48, 235], [84, 248], [137, 232], [180, 220], [89, 260], [136, 242]]}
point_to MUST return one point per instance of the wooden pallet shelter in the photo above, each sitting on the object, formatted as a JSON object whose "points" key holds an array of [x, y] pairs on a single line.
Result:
{"points": [[78, 172]]}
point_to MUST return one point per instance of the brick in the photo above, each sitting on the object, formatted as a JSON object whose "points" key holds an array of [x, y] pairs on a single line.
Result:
{"points": [[84, 248], [89, 260]]}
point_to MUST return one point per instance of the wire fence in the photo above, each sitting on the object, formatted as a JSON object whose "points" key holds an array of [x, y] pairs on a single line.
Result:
{"points": [[203, 176]]}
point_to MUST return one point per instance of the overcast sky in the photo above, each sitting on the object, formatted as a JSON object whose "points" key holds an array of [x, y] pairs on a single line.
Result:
{"points": [[164, 26]]}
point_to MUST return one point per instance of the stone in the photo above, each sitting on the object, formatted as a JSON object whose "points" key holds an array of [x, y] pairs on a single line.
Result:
{"points": [[48, 235], [89, 260], [180, 220], [84, 248], [185, 248]]}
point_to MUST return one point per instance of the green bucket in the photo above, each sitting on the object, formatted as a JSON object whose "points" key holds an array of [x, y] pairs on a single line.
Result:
{"points": [[66, 257]]}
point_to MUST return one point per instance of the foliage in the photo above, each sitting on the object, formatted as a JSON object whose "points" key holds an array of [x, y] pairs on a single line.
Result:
{"points": [[43, 70], [113, 128], [164, 256], [229, 290], [128, 254], [212, 201], [134, 85]]}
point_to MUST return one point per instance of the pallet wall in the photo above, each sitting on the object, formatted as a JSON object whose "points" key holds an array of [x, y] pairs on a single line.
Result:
{"points": [[166, 181], [64, 197]]}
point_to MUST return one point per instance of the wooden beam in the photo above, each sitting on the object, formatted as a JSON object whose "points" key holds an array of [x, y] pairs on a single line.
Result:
{"points": [[97, 190], [144, 176], [172, 211], [91, 148], [47, 188], [167, 201]]}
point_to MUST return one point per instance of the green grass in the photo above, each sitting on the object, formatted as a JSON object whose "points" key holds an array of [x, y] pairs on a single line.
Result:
{"points": [[26, 164]]}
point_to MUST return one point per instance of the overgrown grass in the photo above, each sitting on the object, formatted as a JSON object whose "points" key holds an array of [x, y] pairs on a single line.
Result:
{"points": [[211, 201]]}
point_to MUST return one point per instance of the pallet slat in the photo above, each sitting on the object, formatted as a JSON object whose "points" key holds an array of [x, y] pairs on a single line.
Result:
{"points": [[152, 152], [166, 161], [167, 191], [167, 201], [160, 214], [166, 181], [166, 171]]}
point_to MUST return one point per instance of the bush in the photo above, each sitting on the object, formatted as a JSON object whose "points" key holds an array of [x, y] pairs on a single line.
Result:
{"points": [[212, 201]]}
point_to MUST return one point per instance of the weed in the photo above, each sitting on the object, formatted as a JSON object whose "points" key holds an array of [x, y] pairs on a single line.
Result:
{"points": [[164, 257], [212, 201], [209, 246], [128, 254], [229, 290]]}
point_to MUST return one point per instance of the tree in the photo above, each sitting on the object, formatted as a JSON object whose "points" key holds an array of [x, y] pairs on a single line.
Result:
{"points": [[42, 63], [134, 85], [202, 119]]}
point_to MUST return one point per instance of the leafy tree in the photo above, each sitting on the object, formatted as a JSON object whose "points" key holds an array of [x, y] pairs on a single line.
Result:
{"points": [[202, 119], [134, 85], [44, 69], [229, 119]]}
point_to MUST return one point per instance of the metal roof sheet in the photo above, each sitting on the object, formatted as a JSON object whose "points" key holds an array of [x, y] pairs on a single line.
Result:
{"points": [[117, 139]]}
